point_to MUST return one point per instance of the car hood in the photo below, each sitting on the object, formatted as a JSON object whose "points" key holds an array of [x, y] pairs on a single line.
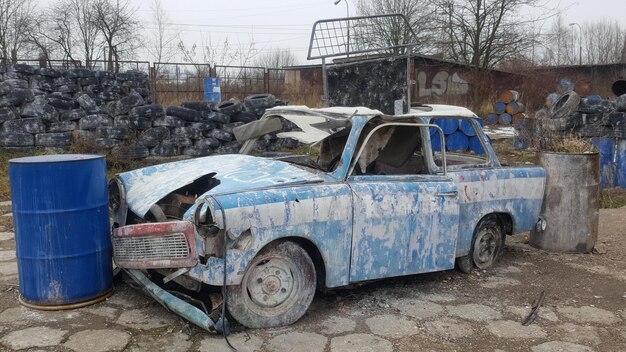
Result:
{"points": [[236, 172]]}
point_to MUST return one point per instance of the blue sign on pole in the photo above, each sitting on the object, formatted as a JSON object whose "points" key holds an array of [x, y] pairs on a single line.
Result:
{"points": [[212, 89]]}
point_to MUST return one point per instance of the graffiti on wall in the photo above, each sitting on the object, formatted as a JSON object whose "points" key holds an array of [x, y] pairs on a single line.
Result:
{"points": [[442, 83]]}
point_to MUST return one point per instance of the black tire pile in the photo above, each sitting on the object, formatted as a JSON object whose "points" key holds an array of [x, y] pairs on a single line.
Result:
{"points": [[45, 106], [53, 109], [569, 114]]}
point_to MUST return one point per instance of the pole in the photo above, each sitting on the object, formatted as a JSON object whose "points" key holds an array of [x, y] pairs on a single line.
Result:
{"points": [[580, 42], [347, 25]]}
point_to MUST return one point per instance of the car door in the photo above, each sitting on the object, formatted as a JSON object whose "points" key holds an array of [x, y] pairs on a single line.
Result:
{"points": [[402, 224]]}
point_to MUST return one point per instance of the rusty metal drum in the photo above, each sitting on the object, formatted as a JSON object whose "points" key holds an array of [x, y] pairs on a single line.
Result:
{"points": [[62, 231], [571, 202]]}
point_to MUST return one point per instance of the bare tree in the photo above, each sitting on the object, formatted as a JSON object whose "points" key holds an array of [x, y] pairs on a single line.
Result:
{"points": [[389, 32], [484, 33], [602, 42], [163, 37], [119, 27], [276, 58], [70, 26], [15, 21]]}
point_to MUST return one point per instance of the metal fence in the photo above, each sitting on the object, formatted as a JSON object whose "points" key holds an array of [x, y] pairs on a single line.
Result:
{"points": [[174, 82]]}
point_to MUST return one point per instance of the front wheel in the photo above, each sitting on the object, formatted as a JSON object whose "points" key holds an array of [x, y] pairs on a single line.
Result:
{"points": [[276, 289], [487, 246]]}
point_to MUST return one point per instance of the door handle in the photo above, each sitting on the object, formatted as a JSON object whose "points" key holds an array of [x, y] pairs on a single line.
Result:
{"points": [[448, 194]]}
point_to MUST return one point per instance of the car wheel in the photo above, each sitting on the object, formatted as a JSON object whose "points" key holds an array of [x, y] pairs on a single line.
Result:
{"points": [[487, 243], [276, 289], [487, 246]]}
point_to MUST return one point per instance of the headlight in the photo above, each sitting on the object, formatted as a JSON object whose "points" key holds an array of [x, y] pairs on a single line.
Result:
{"points": [[117, 202]]}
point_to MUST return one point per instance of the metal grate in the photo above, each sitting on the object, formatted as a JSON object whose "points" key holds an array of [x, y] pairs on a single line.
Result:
{"points": [[358, 35], [170, 246]]}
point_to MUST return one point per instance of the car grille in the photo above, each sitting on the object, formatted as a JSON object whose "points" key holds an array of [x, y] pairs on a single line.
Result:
{"points": [[155, 245]]}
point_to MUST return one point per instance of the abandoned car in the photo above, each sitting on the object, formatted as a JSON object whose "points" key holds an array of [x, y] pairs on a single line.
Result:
{"points": [[370, 199]]}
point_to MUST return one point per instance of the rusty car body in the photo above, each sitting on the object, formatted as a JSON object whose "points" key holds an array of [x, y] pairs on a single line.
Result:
{"points": [[377, 202]]}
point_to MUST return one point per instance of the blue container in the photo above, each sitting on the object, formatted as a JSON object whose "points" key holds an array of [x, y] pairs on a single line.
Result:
{"points": [[620, 167], [457, 142], [61, 217], [467, 128], [448, 126], [475, 146], [212, 91], [606, 147], [499, 107], [492, 119], [435, 139], [505, 119]]}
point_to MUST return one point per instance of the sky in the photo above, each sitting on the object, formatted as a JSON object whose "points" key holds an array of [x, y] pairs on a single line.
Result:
{"points": [[262, 25]]}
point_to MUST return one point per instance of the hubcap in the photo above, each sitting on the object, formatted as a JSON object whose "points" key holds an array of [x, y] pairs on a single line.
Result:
{"points": [[271, 283], [485, 249]]}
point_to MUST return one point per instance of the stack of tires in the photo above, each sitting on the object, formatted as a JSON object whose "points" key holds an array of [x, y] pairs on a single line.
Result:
{"points": [[45, 107], [459, 134], [599, 120]]}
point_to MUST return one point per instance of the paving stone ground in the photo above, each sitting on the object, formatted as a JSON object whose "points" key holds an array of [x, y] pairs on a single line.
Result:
{"points": [[584, 310]]}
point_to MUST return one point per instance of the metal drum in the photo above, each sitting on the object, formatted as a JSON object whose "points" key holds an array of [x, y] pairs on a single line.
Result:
{"points": [[571, 202], [606, 147], [61, 218]]}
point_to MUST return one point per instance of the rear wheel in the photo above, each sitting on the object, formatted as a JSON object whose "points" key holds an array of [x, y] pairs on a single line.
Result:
{"points": [[276, 289], [487, 246]]}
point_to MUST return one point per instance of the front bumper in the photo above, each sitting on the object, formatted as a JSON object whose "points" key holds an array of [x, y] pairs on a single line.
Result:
{"points": [[177, 305]]}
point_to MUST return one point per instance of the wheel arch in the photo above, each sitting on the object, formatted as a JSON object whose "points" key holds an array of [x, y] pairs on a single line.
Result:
{"points": [[313, 251]]}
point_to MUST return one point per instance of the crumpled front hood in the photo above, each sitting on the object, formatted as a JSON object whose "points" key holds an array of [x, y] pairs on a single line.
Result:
{"points": [[236, 172]]}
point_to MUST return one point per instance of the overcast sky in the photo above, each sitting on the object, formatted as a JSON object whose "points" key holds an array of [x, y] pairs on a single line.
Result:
{"points": [[287, 24]]}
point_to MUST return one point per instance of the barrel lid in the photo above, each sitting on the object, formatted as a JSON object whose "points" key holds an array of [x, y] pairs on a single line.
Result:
{"points": [[55, 158]]}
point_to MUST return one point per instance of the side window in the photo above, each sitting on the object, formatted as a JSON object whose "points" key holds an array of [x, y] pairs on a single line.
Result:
{"points": [[392, 150], [463, 146]]}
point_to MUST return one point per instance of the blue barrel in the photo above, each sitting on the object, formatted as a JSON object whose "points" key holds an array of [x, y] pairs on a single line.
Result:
{"points": [[435, 139], [457, 142], [499, 107], [61, 218], [467, 128], [605, 147], [620, 167], [475, 146], [212, 90], [492, 119], [448, 126], [505, 119]]}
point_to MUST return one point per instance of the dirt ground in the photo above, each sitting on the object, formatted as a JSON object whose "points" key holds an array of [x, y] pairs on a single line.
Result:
{"points": [[584, 310]]}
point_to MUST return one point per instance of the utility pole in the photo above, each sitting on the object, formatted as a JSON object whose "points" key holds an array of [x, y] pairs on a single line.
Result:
{"points": [[580, 42]]}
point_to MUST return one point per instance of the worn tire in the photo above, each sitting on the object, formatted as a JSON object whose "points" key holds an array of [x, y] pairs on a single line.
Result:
{"points": [[113, 132], [73, 115], [196, 150], [28, 125], [230, 107], [164, 150], [91, 122], [219, 134], [208, 142], [260, 101], [198, 105], [168, 121], [487, 243], [565, 105], [184, 113], [17, 139], [188, 132], [265, 299], [54, 139], [245, 117], [217, 117], [62, 126], [148, 111], [203, 126], [60, 102], [131, 152]]}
